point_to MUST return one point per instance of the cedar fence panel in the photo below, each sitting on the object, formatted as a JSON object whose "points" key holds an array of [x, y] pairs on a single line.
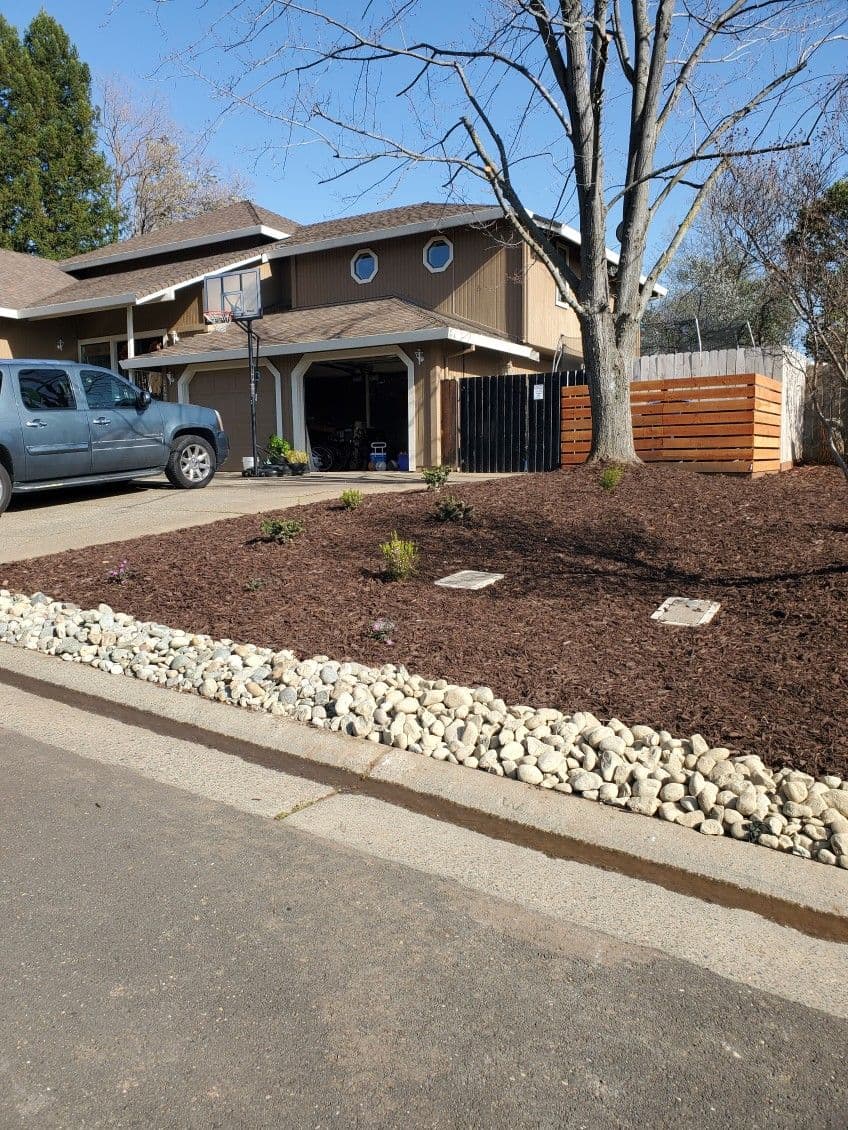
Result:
{"points": [[729, 423]]}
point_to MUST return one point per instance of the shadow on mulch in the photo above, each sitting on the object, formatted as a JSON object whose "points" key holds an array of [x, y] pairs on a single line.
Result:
{"points": [[570, 624]]}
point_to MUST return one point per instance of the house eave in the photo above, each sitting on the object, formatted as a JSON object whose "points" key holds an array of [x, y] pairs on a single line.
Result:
{"points": [[281, 349], [398, 231], [179, 245]]}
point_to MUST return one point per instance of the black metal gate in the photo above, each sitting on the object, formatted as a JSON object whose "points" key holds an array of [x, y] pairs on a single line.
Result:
{"points": [[511, 422]]}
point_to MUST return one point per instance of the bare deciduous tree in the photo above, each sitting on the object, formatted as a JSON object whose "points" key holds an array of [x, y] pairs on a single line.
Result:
{"points": [[790, 217], [158, 178], [631, 111]]}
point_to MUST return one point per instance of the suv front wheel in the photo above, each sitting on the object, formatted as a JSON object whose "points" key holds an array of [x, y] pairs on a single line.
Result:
{"points": [[5, 488], [192, 463]]}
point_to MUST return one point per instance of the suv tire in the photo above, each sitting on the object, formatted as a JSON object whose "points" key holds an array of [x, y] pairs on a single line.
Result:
{"points": [[192, 463], [5, 488]]}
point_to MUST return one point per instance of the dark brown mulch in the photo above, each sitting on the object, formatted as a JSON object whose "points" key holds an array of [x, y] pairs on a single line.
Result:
{"points": [[570, 625]]}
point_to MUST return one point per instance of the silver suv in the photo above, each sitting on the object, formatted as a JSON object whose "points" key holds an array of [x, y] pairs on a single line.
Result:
{"points": [[69, 424]]}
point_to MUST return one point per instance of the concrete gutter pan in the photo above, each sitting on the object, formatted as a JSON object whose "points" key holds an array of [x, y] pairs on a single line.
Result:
{"points": [[777, 886]]}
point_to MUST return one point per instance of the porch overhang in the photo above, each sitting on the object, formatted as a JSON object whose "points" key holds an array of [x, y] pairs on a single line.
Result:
{"points": [[296, 348]]}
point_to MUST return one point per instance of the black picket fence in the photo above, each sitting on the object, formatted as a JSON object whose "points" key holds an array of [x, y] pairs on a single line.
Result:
{"points": [[511, 422]]}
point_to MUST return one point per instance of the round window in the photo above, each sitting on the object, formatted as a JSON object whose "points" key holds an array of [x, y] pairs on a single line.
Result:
{"points": [[438, 254], [363, 266]]}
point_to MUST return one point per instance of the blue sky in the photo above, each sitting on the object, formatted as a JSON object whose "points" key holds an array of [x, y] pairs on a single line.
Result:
{"points": [[131, 37]]}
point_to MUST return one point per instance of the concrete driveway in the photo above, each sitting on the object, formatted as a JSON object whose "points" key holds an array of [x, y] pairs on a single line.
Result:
{"points": [[53, 521]]}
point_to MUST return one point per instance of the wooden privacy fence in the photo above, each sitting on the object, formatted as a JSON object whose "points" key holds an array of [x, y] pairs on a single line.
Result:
{"points": [[728, 423]]}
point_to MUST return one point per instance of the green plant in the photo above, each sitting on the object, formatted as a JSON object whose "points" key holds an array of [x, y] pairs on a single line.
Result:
{"points": [[453, 509], [280, 530], [611, 477], [278, 448], [297, 458], [352, 499], [435, 477], [401, 558], [254, 584]]}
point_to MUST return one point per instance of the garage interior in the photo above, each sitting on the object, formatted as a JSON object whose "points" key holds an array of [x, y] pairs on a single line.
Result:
{"points": [[353, 404]]}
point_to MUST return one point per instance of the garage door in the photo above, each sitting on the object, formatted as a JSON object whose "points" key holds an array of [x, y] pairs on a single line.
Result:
{"points": [[227, 391]]}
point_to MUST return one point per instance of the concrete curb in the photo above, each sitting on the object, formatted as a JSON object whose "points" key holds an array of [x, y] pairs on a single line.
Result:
{"points": [[780, 887]]}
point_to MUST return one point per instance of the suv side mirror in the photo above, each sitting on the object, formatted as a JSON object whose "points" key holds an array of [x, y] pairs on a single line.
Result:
{"points": [[144, 398]]}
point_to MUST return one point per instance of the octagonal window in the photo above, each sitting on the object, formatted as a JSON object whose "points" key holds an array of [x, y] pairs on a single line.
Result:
{"points": [[438, 254], [363, 266]]}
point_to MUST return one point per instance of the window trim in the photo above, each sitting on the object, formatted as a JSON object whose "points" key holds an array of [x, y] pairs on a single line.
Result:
{"points": [[559, 300], [438, 239], [113, 340], [360, 251]]}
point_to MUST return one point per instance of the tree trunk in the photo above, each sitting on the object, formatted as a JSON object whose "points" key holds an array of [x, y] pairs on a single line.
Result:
{"points": [[608, 365]]}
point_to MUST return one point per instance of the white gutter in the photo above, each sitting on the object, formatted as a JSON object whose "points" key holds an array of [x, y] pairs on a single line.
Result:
{"points": [[177, 245], [573, 236], [483, 216], [80, 306], [5, 312], [281, 349]]}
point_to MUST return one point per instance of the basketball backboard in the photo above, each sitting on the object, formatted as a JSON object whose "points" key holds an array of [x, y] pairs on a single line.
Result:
{"points": [[234, 294]]}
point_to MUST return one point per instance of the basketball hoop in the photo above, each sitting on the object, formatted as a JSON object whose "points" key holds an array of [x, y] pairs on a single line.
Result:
{"points": [[217, 319]]}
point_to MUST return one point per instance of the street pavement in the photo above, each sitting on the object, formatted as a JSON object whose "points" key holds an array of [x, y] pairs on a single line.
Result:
{"points": [[53, 521], [172, 960]]}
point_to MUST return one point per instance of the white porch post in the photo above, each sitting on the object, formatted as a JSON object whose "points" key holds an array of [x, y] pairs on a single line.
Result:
{"points": [[130, 333]]}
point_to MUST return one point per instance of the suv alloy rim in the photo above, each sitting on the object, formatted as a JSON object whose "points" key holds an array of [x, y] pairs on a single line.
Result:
{"points": [[195, 463]]}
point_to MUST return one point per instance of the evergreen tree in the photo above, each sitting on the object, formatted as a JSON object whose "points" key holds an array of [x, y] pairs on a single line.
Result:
{"points": [[55, 183]]}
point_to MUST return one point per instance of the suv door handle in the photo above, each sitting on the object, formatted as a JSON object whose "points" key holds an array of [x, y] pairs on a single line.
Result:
{"points": [[36, 423], [101, 420]]}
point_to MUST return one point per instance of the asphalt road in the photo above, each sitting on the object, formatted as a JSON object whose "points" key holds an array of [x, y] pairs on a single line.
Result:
{"points": [[168, 961]]}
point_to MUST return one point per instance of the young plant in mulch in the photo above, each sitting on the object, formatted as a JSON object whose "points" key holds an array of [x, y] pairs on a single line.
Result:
{"points": [[280, 530], [383, 629], [453, 509], [351, 499], [435, 477], [120, 574], [611, 477], [255, 584], [401, 558]]}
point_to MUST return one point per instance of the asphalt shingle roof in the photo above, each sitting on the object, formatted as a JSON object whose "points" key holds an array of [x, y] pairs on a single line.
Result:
{"points": [[230, 218], [27, 279], [143, 281], [396, 316]]}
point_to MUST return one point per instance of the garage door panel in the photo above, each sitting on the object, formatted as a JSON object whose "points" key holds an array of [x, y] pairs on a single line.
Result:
{"points": [[228, 392]]}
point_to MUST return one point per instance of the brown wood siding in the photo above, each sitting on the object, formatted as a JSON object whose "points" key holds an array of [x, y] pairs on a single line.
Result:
{"points": [[546, 321], [482, 283], [38, 339]]}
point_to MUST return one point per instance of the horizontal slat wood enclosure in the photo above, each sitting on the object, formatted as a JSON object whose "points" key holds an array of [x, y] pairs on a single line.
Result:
{"points": [[727, 423]]}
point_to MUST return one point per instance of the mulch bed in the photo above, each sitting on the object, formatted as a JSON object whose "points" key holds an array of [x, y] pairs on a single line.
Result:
{"points": [[570, 625]]}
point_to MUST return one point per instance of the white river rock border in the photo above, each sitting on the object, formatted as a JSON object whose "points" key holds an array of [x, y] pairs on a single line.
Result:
{"points": [[635, 768]]}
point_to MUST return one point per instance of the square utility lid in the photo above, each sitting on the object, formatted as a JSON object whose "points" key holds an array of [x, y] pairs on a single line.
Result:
{"points": [[469, 579], [684, 612]]}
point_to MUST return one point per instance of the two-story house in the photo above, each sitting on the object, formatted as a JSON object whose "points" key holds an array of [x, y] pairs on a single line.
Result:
{"points": [[366, 319]]}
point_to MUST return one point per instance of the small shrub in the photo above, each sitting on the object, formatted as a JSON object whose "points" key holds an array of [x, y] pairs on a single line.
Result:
{"points": [[278, 448], [435, 477], [120, 574], [383, 629], [401, 558], [255, 584], [611, 477], [453, 509], [352, 499], [280, 530], [297, 458]]}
